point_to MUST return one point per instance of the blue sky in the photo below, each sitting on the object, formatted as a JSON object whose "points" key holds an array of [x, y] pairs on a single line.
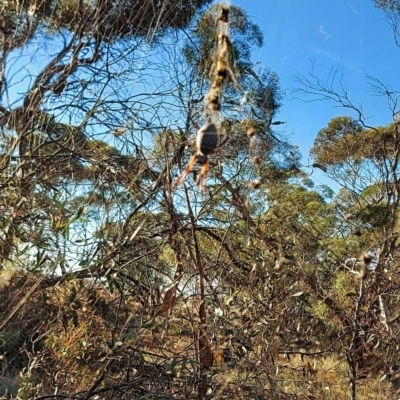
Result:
{"points": [[351, 35]]}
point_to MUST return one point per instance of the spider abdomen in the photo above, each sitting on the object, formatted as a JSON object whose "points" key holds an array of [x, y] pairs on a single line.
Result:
{"points": [[207, 139]]}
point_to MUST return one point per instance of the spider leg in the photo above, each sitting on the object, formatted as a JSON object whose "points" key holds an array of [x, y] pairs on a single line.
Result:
{"points": [[187, 170], [203, 177]]}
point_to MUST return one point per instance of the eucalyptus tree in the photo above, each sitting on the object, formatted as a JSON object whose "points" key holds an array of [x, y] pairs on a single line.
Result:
{"points": [[362, 246], [91, 148]]}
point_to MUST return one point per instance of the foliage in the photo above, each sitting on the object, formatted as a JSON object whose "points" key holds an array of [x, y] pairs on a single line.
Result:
{"points": [[243, 33], [20, 21], [115, 285]]}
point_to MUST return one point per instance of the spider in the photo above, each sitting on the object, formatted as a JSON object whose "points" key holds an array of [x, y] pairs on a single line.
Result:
{"points": [[205, 144]]}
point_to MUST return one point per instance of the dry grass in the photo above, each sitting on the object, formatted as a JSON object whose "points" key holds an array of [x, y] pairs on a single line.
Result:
{"points": [[81, 330]]}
